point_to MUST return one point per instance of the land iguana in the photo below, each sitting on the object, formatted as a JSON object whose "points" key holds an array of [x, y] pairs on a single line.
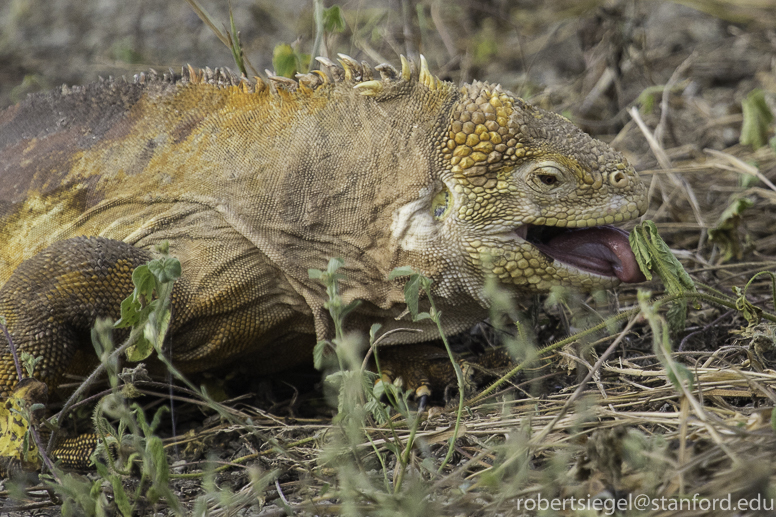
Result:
{"points": [[253, 183]]}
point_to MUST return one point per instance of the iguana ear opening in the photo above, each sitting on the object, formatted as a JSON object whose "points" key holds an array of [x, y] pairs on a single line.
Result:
{"points": [[441, 204]]}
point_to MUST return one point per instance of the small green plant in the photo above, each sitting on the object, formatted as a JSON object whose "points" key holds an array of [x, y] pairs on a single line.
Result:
{"points": [[29, 362], [287, 60], [416, 283], [229, 37], [726, 232], [126, 441], [327, 21], [146, 312], [123, 50], [653, 254], [359, 398], [757, 128], [335, 304], [355, 387]]}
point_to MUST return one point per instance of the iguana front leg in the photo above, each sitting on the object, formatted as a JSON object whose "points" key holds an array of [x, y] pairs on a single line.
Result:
{"points": [[50, 304], [52, 300], [227, 307]]}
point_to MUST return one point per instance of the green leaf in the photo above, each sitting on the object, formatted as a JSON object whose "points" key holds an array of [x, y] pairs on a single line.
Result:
{"points": [[746, 181], [150, 428], [150, 331], [151, 281], [130, 313], [725, 234], [647, 98], [167, 269], [412, 293], [334, 378], [757, 119], [333, 21], [334, 264], [155, 449], [677, 315], [641, 249], [120, 496], [318, 354], [144, 280], [682, 374], [752, 314], [285, 60], [401, 271], [349, 308], [29, 362], [140, 350], [137, 411], [380, 387], [661, 343], [235, 45], [373, 331], [733, 211], [163, 327], [412, 287], [653, 254]]}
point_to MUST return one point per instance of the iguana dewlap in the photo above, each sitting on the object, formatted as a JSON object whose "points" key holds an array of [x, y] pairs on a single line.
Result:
{"points": [[252, 185]]}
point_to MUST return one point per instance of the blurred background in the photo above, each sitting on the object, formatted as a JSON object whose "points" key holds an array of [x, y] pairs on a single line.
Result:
{"points": [[602, 54]]}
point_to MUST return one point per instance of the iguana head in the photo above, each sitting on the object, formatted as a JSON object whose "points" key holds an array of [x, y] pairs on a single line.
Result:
{"points": [[530, 197], [524, 195]]}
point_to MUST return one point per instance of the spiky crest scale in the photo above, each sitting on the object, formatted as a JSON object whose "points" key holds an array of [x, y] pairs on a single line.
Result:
{"points": [[347, 71]]}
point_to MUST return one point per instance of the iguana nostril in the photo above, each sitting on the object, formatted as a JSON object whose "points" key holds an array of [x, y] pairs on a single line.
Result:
{"points": [[618, 179]]}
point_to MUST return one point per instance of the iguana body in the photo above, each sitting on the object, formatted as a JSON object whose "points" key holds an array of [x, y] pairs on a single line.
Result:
{"points": [[252, 186]]}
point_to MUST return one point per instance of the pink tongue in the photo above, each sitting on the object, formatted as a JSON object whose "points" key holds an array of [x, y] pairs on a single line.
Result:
{"points": [[603, 250]]}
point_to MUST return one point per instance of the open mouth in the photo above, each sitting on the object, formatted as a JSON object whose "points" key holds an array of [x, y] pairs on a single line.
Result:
{"points": [[600, 250]]}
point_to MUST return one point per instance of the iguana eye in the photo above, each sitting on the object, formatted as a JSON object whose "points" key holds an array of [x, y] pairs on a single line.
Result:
{"points": [[440, 205], [547, 176]]}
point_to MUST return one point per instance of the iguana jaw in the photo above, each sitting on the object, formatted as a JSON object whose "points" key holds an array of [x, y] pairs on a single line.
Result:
{"points": [[599, 250]]}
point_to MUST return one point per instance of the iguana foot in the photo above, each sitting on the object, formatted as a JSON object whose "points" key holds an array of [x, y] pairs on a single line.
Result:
{"points": [[18, 451], [428, 372]]}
